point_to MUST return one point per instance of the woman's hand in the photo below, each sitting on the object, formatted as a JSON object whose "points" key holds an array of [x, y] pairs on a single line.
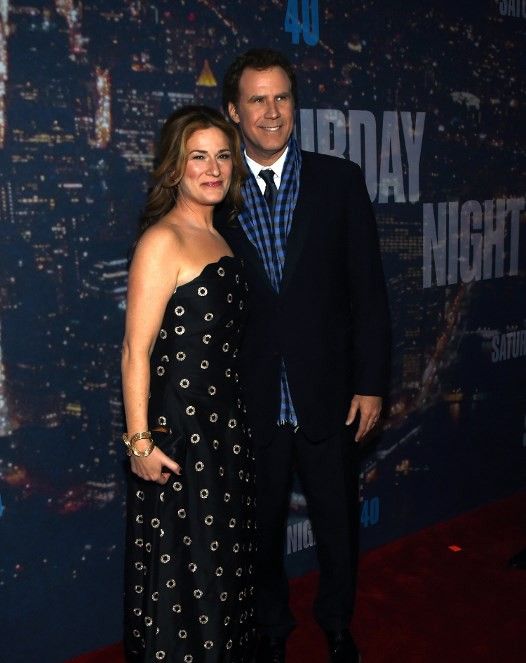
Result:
{"points": [[151, 467]]}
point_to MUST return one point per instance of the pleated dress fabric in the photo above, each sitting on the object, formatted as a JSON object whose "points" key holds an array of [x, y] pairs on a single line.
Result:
{"points": [[189, 595]]}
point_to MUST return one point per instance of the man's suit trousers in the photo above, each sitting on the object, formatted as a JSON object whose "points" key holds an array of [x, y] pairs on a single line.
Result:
{"points": [[328, 472]]}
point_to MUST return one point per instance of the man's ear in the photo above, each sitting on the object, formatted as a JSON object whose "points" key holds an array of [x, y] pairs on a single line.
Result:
{"points": [[232, 112]]}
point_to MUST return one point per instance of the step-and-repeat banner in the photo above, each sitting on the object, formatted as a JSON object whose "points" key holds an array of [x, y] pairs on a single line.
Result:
{"points": [[428, 100]]}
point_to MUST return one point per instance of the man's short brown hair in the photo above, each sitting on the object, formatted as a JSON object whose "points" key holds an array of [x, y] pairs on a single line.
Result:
{"points": [[259, 59]]}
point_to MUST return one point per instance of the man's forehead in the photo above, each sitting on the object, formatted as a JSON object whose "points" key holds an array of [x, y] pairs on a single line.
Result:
{"points": [[251, 78]]}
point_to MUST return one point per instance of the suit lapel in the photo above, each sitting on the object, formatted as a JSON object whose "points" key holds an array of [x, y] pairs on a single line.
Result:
{"points": [[301, 220]]}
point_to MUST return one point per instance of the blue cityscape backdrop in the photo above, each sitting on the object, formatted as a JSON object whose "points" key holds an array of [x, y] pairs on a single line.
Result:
{"points": [[429, 100]]}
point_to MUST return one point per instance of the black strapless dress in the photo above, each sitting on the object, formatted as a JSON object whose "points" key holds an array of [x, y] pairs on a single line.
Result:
{"points": [[189, 594]]}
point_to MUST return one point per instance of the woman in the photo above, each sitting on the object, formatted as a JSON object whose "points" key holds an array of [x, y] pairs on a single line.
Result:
{"points": [[188, 593]]}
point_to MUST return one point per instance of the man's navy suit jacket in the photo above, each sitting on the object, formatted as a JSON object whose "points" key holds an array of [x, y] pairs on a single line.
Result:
{"points": [[330, 321]]}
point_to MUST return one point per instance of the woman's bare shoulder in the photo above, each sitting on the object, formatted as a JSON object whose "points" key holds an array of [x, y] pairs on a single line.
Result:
{"points": [[161, 238], [160, 232]]}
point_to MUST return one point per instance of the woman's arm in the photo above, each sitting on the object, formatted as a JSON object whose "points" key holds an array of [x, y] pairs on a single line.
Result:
{"points": [[152, 280]]}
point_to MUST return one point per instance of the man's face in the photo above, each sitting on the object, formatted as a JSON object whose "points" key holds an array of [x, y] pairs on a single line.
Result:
{"points": [[264, 113]]}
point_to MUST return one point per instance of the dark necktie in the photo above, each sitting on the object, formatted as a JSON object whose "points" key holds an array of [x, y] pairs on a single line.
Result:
{"points": [[271, 193]]}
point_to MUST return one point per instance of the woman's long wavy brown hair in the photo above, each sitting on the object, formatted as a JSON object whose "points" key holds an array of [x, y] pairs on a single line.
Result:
{"points": [[171, 161]]}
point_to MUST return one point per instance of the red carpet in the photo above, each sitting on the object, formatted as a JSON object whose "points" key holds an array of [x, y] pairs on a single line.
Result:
{"points": [[421, 602]]}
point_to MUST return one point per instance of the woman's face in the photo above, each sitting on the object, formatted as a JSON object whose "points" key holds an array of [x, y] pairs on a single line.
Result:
{"points": [[208, 170]]}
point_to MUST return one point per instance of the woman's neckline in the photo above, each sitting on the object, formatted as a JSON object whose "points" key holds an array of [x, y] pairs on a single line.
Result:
{"points": [[205, 267]]}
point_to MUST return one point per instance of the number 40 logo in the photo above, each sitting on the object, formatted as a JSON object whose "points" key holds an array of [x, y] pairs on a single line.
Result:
{"points": [[370, 514], [309, 23]]}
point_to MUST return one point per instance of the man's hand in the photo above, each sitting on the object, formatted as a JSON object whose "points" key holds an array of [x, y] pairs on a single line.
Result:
{"points": [[369, 408]]}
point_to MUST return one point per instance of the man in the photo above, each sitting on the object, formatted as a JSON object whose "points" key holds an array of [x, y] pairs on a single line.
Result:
{"points": [[315, 355]]}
